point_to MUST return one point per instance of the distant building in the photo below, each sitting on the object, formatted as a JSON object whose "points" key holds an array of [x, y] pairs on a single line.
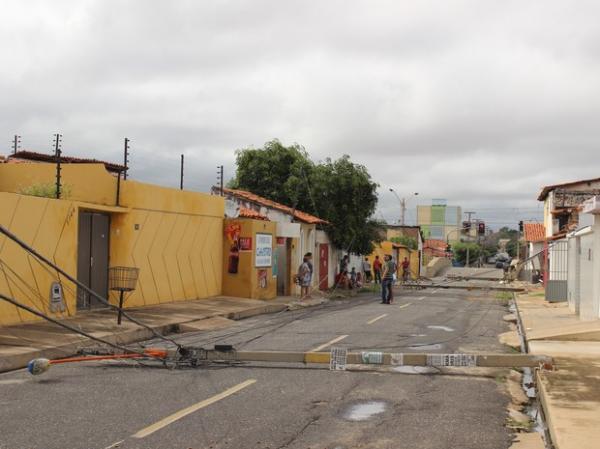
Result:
{"points": [[440, 221]]}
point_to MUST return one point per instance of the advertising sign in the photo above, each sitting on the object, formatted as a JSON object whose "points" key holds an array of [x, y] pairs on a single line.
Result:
{"points": [[245, 243], [264, 250]]}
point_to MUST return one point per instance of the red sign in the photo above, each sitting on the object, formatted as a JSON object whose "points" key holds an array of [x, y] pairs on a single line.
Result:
{"points": [[281, 240], [245, 243]]}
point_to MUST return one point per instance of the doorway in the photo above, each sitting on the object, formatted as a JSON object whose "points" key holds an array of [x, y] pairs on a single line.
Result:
{"points": [[92, 258], [323, 266], [282, 266]]}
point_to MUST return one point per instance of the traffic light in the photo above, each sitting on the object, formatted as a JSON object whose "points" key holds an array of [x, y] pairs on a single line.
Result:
{"points": [[481, 228], [466, 226], [521, 226]]}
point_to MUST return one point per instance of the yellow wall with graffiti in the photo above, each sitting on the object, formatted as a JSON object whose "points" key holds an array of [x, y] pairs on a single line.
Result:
{"points": [[243, 280], [174, 237]]}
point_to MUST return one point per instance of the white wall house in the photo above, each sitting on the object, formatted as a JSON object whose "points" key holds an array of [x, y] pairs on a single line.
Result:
{"points": [[583, 266], [561, 216]]}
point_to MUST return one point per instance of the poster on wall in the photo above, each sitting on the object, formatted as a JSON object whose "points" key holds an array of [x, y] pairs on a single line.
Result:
{"points": [[264, 250], [262, 279], [245, 243], [232, 231]]}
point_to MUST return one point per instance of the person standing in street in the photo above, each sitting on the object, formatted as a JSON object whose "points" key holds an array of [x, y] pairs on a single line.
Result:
{"points": [[366, 267], [304, 277], [387, 281], [405, 270], [377, 269]]}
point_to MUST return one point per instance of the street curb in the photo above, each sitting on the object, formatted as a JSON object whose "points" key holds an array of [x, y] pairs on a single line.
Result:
{"points": [[18, 361]]}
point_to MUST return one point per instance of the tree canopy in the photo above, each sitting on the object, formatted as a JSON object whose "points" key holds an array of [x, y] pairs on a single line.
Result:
{"points": [[339, 191]]}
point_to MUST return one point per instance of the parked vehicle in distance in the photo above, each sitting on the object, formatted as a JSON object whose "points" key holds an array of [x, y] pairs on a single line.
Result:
{"points": [[502, 260]]}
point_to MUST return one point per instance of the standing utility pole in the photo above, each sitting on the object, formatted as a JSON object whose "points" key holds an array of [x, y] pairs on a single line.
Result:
{"points": [[57, 155], [402, 205], [220, 178], [16, 144], [181, 175], [125, 158], [469, 214]]}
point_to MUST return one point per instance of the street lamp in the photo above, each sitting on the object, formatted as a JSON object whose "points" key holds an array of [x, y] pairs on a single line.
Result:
{"points": [[402, 205]]}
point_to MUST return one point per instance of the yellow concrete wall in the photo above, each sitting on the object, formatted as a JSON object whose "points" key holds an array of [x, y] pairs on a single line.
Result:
{"points": [[50, 226], [81, 182], [244, 283], [177, 244]]}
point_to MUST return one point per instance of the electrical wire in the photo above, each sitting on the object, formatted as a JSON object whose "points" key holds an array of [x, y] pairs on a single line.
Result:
{"points": [[104, 301], [39, 314]]}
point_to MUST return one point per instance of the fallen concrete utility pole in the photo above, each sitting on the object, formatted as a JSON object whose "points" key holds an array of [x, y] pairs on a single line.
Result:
{"points": [[340, 356], [502, 288], [337, 359]]}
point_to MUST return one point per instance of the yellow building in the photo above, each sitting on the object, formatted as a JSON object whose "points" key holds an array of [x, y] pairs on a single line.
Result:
{"points": [[174, 237], [398, 252]]}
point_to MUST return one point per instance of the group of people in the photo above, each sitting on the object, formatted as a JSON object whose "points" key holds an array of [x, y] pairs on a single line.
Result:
{"points": [[383, 273], [348, 279]]}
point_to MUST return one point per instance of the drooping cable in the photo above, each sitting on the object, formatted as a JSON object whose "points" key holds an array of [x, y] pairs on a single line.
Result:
{"points": [[88, 290]]}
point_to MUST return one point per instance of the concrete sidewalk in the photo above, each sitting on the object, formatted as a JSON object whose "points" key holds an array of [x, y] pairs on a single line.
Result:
{"points": [[570, 395], [19, 344]]}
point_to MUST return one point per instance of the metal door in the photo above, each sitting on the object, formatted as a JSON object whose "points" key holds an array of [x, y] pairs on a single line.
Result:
{"points": [[556, 286], [92, 257], [282, 266], [323, 266]]}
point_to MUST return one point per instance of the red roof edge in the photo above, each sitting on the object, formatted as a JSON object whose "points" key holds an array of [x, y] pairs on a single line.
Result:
{"points": [[41, 157]]}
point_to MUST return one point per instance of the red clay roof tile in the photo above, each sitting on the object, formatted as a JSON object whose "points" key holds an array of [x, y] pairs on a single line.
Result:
{"points": [[534, 232], [298, 214]]}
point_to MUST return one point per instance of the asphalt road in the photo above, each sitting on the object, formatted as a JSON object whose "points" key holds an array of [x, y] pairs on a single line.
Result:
{"points": [[126, 405]]}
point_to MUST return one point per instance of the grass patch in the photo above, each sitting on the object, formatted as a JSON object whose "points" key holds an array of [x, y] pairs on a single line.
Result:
{"points": [[46, 190], [504, 297]]}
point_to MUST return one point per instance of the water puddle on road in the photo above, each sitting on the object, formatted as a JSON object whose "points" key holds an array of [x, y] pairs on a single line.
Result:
{"points": [[365, 411], [443, 328]]}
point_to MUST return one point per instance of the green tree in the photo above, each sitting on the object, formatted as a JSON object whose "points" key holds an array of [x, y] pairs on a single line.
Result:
{"points": [[345, 195], [276, 172], [459, 250], [406, 240], [339, 191]]}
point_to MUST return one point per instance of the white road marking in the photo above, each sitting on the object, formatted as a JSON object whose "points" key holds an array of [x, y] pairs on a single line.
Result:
{"points": [[434, 291], [12, 381], [421, 298], [191, 409], [405, 305], [114, 445], [377, 318], [329, 343]]}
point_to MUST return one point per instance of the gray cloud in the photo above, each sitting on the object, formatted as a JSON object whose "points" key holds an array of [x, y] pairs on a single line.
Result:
{"points": [[479, 102]]}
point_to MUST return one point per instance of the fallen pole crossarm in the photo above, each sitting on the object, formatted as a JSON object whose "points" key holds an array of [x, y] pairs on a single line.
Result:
{"points": [[88, 290]]}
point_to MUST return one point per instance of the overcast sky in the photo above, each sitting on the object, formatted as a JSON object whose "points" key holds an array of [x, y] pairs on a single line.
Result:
{"points": [[479, 102]]}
